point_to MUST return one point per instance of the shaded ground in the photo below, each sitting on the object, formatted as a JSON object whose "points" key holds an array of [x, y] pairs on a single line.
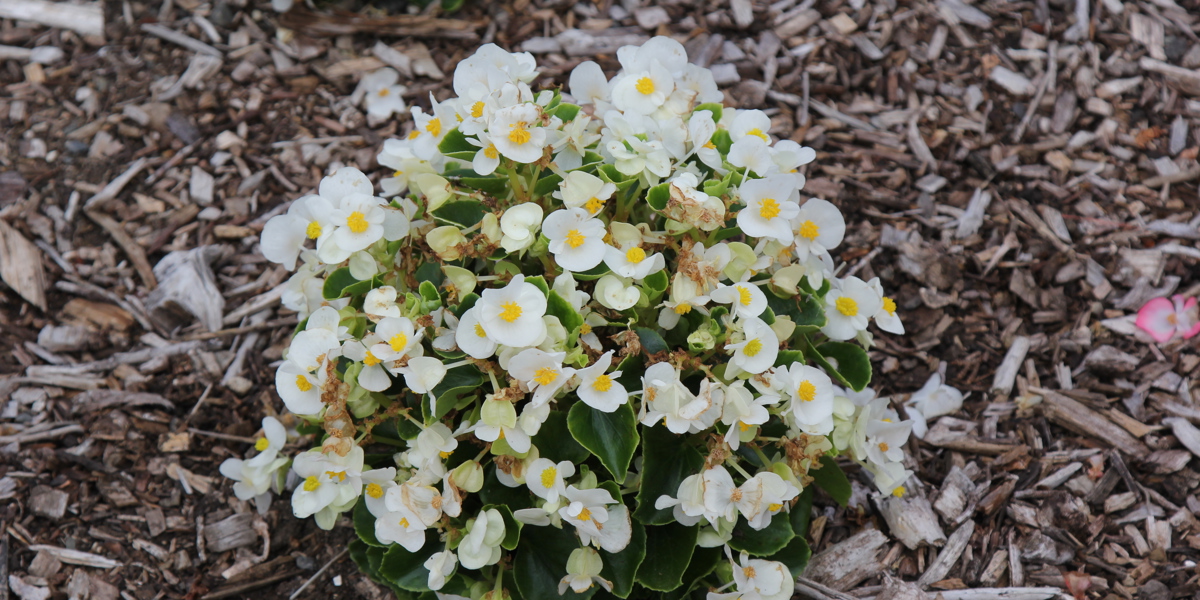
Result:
{"points": [[996, 226]]}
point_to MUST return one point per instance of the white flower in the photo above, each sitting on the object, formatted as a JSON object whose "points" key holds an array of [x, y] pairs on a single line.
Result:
{"points": [[498, 419], [596, 522], [517, 132], [299, 389], [770, 207], [849, 304], [331, 484], [760, 580], [687, 507], [789, 156], [811, 392], [373, 376], [381, 94], [401, 527], [701, 129], [418, 498], [545, 478], [397, 338], [471, 337], [376, 484], [889, 477], [742, 413], [821, 228], [643, 91], [576, 238], [480, 546], [774, 492], [744, 299], [754, 154], [757, 352], [886, 439], [750, 123], [588, 84], [488, 157], [440, 565], [886, 318], [253, 478], [631, 261], [598, 389], [359, 219], [542, 372], [584, 190], [511, 315], [573, 141], [689, 205], [668, 399], [381, 302], [616, 292], [429, 129], [520, 224], [583, 571], [284, 236], [933, 400]]}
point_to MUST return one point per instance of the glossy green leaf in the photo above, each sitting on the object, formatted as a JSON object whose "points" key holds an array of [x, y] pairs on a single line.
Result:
{"points": [[541, 562], [460, 213], [659, 195], [853, 366], [567, 315], [612, 437], [494, 492], [763, 542], [795, 555], [652, 343], [565, 111], [666, 461], [670, 548], [832, 479], [657, 281], [555, 442], [704, 560], [336, 282], [429, 292], [621, 568], [494, 186], [458, 382], [430, 272], [406, 570], [364, 524], [801, 513], [539, 282], [713, 107], [455, 141]]}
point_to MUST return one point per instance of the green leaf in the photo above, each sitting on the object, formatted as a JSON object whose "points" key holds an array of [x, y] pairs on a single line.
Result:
{"points": [[460, 213], [657, 281], [494, 492], [429, 292], [555, 442], [610, 174], [546, 185], [795, 555], [652, 343], [541, 563], [801, 513], [659, 195], [567, 315], [493, 186], [512, 527], [458, 382], [612, 437], [364, 525], [337, 282], [722, 141], [704, 560], [565, 111], [666, 461], [621, 568], [831, 479], [785, 358], [853, 364], [764, 542], [539, 282], [430, 272], [670, 548], [456, 141], [406, 570], [713, 107]]}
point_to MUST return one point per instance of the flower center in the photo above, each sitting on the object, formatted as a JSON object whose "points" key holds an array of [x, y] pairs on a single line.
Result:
{"points": [[807, 391], [313, 231], [397, 173], [645, 86], [585, 329], [749, 572], [736, 495], [545, 376], [338, 475], [768, 208], [404, 523], [847, 306], [809, 230], [311, 483], [773, 507], [883, 447], [758, 133], [548, 476], [602, 383], [303, 384], [414, 134], [594, 205], [519, 135], [477, 110], [398, 342], [1173, 319], [898, 492], [434, 127], [585, 515], [574, 238], [511, 312], [889, 305], [709, 145], [752, 348], [357, 222], [444, 455], [683, 308], [479, 328], [370, 359], [374, 490], [436, 502], [491, 151], [262, 444], [744, 295], [743, 426], [635, 255], [383, 93]]}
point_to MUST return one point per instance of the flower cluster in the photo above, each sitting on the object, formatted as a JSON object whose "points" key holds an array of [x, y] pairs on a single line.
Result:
{"points": [[589, 325]]}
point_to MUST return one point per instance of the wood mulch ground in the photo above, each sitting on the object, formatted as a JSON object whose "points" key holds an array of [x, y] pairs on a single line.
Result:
{"points": [[1022, 174]]}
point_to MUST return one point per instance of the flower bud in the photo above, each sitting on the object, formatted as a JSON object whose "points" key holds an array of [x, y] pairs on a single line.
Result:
{"points": [[435, 188], [498, 413], [463, 280], [468, 477], [786, 279], [490, 227], [445, 241], [701, 341]]}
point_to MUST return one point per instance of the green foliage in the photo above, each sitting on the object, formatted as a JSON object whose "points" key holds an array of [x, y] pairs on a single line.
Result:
{"points": [[612, 437]]}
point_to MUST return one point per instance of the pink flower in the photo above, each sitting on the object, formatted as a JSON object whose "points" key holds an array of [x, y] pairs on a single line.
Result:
{"points": [[1163, 318]]}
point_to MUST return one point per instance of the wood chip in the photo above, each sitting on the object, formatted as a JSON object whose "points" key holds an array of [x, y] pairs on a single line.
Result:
{"points": [[949, 555], [21, 266], [1075, 416], [87, 19], [847, 563], [76, 557]]}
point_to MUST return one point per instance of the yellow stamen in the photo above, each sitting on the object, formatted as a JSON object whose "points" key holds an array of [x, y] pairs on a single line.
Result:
{"points": [[748, 572], [773, 507], [491, 151], [338, 475], [756, 132], [404, 523], [262, 444], [645, 86], [883, 447], [683, 308], [444, 454], [397, 173], [889, 306], [311, 483], [709, 145], [545, 376], [602, 383], [585, 515], [370, 359], [898, 492], [548, 476], [511, 312], [736, 494], [383, 93], [807, 391], [585, 329], [303, 384], [398, 342], [752, 348], [635, 255], [809, 230], [518, 135], [594, 205], [374, 490], [744, 295], [477, 110], [847, 306], [414, 134], [434, 127], [313, 231], [479, 330], [575, 239], [743, 426], [768, 208], [357, 222]]}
